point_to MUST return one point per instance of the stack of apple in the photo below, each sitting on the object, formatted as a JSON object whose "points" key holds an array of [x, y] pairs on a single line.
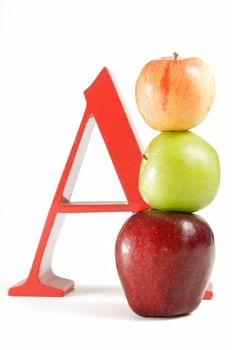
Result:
{"points": [[165, 254]]}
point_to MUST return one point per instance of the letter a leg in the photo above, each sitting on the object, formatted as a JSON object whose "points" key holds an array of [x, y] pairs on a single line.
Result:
{"points": [[41, 280]]}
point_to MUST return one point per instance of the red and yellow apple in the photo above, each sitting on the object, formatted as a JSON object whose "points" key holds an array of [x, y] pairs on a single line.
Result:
{"points": [[174, 93]]}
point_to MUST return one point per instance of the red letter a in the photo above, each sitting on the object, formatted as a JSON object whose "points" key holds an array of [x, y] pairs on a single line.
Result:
{"points": [[105, 107]]}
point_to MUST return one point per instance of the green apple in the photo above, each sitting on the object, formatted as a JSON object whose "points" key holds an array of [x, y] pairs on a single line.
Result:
{"points": [[180, 171]]}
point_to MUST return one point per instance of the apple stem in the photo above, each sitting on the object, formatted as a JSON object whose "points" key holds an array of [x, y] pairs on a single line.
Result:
{"points": [[175, 56], [145, 157]]}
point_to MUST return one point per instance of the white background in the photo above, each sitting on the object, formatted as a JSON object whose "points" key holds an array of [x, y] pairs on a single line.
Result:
{"points": [[50, 51]]}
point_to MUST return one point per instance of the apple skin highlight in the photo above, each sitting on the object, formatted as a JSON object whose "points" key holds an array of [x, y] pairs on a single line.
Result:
{"points": [[164, 261]]}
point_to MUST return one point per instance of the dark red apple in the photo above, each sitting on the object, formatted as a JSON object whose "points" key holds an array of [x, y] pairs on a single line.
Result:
{"points": [[164, 260]]}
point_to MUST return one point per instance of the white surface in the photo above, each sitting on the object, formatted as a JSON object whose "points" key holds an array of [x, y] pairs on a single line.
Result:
{"points": [[50, 51]]}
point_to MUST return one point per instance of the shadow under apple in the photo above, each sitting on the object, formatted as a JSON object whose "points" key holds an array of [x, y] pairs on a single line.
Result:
{"points": [[103, 302]]}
